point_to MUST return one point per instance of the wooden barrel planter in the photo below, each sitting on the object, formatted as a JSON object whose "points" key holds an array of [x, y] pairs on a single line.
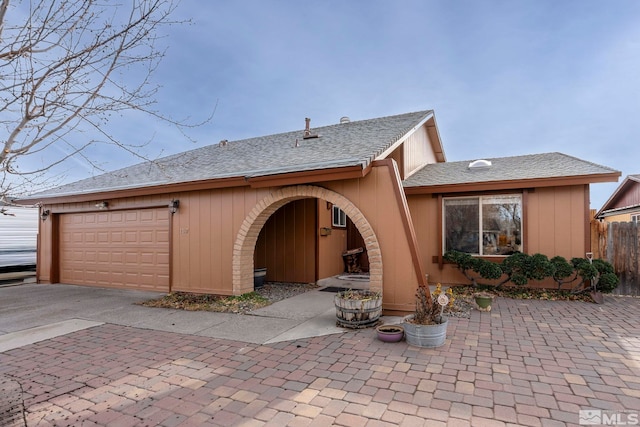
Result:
{"points": [[358, 309]]}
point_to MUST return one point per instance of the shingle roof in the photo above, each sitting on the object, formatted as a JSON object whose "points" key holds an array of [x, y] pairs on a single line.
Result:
{"points": [[533, 166], [340, 145]]}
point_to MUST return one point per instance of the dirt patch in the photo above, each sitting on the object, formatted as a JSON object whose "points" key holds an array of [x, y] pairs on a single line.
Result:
{"points": [[266, 295], [522, 293]]}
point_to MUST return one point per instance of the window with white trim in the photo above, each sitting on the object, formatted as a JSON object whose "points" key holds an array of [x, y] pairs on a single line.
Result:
{"points": [[338, 217], [483, 225], [635, 218]]}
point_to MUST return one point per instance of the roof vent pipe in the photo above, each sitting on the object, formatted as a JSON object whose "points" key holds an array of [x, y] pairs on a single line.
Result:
{"points": [[223, 143], [344, 119], [307, 130]]}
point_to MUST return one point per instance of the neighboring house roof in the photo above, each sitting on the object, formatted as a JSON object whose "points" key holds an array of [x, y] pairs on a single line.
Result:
{"points": [[350, 144], [534, 170], [623, 198]]}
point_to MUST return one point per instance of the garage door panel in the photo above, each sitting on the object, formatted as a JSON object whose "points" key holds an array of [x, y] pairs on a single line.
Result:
{"points": [[127, 249]]}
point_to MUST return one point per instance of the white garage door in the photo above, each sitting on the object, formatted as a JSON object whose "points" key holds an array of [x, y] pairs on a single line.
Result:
{"points": [[120, 249]]}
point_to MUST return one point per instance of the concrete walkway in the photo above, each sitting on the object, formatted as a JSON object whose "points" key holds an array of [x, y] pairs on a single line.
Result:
{"points": [[536, 363]]}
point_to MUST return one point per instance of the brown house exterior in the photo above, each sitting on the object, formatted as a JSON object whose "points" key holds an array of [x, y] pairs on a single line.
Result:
{"points": [[624, 203], [201, 221]]}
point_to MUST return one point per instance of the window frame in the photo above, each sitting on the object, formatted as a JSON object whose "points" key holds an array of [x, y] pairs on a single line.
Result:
{"points": [[342, 217], [479, 198], [635, 217]]}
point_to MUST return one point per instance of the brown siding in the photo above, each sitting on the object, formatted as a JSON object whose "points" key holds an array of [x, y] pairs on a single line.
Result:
{"points": [[555, 219], [286, 245], [398, 156], [375, 197], [330, 247], [204, 230], [630, 197]]}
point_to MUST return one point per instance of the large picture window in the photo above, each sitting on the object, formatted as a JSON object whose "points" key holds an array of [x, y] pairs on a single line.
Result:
{"points": [[483, 225]]}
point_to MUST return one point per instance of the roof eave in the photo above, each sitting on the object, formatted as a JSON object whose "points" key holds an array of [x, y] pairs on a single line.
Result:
{"points": [[617, 211], [306, 177], [276, 180], [138, 191], [513, 184]]}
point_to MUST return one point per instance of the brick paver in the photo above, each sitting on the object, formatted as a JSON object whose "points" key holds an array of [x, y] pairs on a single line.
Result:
{"points": [[524, 363]]}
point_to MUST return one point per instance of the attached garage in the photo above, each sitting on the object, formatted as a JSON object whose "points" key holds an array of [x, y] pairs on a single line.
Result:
{"points": [[118, 249]]}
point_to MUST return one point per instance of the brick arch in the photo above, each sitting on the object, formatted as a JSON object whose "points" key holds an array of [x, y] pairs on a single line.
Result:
{"points": [[245, 243]]}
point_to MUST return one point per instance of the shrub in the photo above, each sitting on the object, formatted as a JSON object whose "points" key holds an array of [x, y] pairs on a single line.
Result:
{"points": [[519, 268]]}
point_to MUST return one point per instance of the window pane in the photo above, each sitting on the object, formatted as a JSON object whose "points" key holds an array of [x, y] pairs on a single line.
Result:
{"points": [[501, 225], [461, 218], [339, 218]]}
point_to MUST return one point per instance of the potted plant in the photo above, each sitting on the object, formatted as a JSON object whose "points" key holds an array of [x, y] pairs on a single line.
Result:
{"points": [[390, 333], [358, 308], [483, 300], [427, 327]]}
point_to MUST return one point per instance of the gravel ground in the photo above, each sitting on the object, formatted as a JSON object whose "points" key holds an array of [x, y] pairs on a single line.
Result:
{"points": [[277, 291], [269, 293]]}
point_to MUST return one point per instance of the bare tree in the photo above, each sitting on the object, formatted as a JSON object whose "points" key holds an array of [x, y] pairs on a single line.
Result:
{"points": [[65, 67]]}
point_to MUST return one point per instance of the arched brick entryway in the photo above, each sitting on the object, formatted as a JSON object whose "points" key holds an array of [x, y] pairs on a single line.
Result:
{"points": [[244, 246]]}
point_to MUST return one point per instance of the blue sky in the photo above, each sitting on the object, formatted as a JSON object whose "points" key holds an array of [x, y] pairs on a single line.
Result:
{"points": [[504, 77]]}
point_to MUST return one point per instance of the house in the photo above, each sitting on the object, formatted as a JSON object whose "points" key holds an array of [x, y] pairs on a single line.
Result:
{"points": [[203, 220], [624, 203]]}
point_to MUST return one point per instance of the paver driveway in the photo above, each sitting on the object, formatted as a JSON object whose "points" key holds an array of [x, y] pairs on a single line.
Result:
{"points": [[524, 363]]}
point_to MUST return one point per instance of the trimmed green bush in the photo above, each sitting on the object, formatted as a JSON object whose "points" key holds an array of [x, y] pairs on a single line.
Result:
{"points": [[520, 268]]}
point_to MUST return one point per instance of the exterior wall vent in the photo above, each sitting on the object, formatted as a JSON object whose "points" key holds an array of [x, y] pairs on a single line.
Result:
{"points": [[344, 119], [479, 164]]}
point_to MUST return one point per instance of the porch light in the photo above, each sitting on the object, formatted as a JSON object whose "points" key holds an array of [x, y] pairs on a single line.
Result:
{"points": [[102, 205], [173, 206], [45, 214]]}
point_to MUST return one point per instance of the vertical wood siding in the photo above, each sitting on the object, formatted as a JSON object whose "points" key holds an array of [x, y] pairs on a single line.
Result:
{"points": [[417, 152], [630, 197], [287, 243], [330, 247]]}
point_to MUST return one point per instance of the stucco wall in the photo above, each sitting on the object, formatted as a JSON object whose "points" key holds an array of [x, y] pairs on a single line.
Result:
{"points": [[555, 222]]}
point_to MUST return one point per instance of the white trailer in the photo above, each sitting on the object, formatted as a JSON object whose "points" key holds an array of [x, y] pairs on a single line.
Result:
{"points": [[18, 237]]}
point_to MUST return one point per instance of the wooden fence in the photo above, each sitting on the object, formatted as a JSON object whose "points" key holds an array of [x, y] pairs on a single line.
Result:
{"points": [[619, 244]]}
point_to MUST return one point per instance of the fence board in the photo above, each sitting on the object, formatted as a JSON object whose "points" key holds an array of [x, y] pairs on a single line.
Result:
{"points": [[618, 243]]}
